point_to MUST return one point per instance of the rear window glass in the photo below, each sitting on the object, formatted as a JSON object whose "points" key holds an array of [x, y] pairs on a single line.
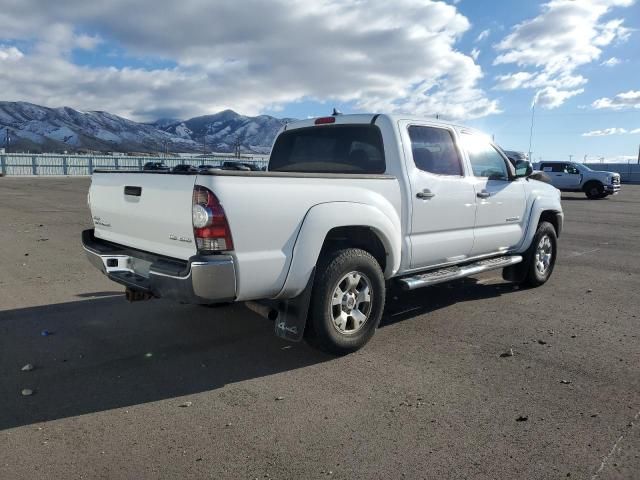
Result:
{"points": [[552, 167], [329, 149]]}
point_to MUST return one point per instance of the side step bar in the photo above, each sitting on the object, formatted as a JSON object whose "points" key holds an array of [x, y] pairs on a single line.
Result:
{"points": [[452, 273]]}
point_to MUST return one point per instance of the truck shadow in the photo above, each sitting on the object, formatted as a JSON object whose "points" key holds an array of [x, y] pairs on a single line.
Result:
{"points": [[104, 353], [401, 305]]}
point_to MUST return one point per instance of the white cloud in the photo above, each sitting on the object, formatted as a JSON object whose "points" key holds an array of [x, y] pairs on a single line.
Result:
{"points": [[553, 45], [606, 132], [398, 56], [635, 131], [630, 99], [612, 62], [475, 53], [483, 34], [550, 97], [10, 53]]}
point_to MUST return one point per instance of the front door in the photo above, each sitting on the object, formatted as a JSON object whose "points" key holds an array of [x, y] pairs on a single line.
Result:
{"points": [[500, 215], [443, 198], [570, 178]]}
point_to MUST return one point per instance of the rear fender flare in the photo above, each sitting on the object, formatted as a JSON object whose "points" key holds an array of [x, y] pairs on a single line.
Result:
{"points": [[324, 217]]}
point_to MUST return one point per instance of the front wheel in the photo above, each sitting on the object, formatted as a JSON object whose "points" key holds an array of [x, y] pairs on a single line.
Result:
{"points": [[541, 256], [594, 191], [347, 301]]}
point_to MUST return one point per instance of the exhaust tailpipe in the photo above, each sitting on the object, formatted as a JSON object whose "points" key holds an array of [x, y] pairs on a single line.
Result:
{"points": [[265, 311], [136, 295]]}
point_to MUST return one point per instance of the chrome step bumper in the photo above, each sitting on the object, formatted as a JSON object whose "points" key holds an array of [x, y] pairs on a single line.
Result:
{"points": [[452, 273], [199, 280]]}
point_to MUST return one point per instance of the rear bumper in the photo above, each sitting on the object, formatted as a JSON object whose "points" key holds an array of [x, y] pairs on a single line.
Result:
{"points": [[201, 279]]}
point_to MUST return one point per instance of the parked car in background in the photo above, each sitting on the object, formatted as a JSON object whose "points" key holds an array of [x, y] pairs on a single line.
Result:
{"points": [[349, 205], [243, 166], [184, 168], [515, 157], [155, 167], [577, 177]]}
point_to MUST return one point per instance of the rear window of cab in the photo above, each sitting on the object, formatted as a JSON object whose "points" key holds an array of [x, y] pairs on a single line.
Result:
{"points": [[356, 149]]}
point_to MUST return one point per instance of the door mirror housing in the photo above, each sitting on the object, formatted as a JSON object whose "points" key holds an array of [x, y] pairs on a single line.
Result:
{"points": [[523, 168]]}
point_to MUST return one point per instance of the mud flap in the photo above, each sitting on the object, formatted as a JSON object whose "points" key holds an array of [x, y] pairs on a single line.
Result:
{"points": [[292, 314], [517, 273]]}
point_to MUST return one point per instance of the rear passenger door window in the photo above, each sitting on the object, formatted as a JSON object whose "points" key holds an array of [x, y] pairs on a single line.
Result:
{"points": [[553, 167], [434, 151]]}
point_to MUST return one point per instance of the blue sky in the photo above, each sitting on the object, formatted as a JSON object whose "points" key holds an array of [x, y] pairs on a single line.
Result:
{"points": [[480, 63]]}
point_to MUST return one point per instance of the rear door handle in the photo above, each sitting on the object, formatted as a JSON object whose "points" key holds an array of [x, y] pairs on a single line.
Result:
{"points": [[483, 194], [425, 194]]}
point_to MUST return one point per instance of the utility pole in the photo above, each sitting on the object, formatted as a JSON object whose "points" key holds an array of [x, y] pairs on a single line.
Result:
{"points": [[533, 110], [570, 157]]}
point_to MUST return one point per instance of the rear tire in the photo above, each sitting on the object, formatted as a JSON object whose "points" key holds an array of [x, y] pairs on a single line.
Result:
{"points": [[347, 301]]}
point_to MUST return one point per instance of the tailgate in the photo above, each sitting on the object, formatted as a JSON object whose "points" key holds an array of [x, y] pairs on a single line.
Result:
{"points": [[145, 211]]}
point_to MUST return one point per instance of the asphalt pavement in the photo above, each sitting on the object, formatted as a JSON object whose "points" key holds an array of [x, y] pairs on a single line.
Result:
{"points": [[161, 390]]}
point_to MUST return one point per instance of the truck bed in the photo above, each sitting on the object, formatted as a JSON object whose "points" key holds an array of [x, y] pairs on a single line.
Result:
{"points": [[265, 211]]}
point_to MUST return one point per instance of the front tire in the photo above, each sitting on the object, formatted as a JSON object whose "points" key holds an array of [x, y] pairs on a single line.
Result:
{"points": [[541, 256], [347, 301], [594, 190]]}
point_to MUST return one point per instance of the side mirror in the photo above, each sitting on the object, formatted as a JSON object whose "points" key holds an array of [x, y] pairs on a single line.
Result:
{"points": [[523, 168]]}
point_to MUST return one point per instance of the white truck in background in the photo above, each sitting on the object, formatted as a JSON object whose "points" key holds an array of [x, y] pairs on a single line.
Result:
{"points": [[577, 177], [349, 205]]}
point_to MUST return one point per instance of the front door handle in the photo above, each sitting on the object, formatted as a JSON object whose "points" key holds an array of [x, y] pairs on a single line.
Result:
{"points": [[483, 194], [425, 194]]}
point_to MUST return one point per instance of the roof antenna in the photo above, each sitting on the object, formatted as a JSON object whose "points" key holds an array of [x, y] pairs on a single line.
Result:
{"points": [[336, 112]]}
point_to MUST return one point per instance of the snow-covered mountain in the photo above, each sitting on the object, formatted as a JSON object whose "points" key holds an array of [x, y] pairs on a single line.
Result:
{"points": [[225, 129], [36, 128]]}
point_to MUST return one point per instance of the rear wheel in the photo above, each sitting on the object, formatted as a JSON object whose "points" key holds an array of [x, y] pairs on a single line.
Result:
{"points": [[347, 301]]}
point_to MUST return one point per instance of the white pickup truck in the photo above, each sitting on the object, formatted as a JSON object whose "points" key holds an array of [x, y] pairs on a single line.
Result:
{"points": [[577, 177], [349, 206]]}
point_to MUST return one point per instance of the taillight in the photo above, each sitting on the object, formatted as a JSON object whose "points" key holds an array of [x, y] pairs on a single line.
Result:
{"points": [[210, 226]]}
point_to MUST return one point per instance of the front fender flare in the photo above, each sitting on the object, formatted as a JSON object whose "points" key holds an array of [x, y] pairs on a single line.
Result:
{"points": [[540, 204]]}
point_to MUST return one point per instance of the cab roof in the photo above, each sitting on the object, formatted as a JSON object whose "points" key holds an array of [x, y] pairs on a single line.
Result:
{"points": [[364, 118]]}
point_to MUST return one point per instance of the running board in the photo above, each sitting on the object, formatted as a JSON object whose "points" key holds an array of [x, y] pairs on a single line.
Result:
{"points": [[452, 273]]}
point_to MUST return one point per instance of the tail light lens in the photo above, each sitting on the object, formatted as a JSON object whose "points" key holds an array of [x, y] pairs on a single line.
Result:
{"points": [[210, 226]]}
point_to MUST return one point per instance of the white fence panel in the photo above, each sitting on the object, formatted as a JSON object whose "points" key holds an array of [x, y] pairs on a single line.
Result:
{"points": [[78, 165]]}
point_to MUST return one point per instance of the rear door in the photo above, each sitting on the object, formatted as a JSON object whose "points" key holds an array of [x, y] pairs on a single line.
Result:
{"points": [[442, 196], [146, 211], [555, 171], [501, 199]]}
